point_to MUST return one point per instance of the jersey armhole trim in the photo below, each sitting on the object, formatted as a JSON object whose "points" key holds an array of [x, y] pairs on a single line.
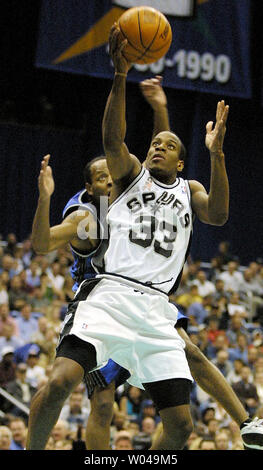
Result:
{"points": [[189, 195]]}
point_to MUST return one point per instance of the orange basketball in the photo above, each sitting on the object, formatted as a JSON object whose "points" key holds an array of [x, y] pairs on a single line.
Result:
{"points": [[148, 33]]}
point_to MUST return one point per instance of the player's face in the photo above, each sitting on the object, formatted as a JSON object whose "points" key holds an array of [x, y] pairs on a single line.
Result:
{"points": [[163, 157], [101, 180]]}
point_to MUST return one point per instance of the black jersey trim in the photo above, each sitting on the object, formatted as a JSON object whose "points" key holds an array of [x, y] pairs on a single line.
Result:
{"points": [[163, 185], [136, 179], [94, 379], [189, 196], [190, 193], [131, 279], [182, 323], [72, 206], [84, 254]]}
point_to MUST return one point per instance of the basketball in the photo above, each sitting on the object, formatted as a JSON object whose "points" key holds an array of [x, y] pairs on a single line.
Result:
{"points": [[148, 33]]}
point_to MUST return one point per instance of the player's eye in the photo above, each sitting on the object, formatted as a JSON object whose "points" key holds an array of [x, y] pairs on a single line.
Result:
{"points": [[155, 144], [171, 146]]}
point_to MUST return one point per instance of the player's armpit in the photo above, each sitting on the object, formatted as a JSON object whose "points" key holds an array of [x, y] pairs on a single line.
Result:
{"points": [[209, 208], [199, 199]]}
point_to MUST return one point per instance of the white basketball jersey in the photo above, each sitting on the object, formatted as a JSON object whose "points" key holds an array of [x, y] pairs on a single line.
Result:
{"points": [[150, 227]]}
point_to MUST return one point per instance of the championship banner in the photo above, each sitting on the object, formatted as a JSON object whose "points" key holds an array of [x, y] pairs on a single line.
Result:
{"points": [[210, 50]]}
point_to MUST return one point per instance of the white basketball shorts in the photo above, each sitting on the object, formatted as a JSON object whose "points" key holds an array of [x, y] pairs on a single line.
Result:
{"points": [[134, 326]]}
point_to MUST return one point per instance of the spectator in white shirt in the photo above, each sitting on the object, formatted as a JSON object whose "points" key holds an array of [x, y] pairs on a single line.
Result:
{"points": [[54, 275], [236, 306], [205, 287], [260, 278], [9, 339], [250, 283], [35, 373], [251, 291], [232, 277], [74, 412], [3, 292], [258, 381]]}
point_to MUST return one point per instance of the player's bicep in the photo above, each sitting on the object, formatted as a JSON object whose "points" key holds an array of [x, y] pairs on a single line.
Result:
{"points": [[121, 163], [199, 201], [60, 235], [79, 225]]}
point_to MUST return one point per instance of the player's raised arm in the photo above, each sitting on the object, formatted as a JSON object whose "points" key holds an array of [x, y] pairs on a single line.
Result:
{"points": [[120, 162], [154, 94], [213, 208], [44, 237]]}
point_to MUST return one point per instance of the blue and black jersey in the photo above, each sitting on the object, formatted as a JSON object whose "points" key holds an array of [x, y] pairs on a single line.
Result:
{"points": [[82, 267]]}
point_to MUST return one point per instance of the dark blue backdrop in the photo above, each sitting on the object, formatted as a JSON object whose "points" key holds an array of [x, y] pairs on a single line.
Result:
{"points": [[210, 52], [22, 148]]}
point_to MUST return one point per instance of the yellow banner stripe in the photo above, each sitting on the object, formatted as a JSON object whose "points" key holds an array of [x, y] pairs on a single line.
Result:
{"points": [[95, 37]]}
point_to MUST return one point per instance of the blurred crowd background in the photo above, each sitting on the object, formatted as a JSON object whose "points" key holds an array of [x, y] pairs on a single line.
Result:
{"points": [[49, 111], [224, 304]]}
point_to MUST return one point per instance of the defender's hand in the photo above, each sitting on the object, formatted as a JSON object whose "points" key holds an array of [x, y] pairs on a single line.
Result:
{"points": [[153, 92], [46, 183], [215, 137]]}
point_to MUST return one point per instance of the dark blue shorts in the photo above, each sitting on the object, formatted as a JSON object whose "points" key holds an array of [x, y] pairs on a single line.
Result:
{"points": [[104, 376]]}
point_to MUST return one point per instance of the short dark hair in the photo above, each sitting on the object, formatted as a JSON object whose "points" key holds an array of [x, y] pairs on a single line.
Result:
{"points": [[183, 153], [87, 169]]}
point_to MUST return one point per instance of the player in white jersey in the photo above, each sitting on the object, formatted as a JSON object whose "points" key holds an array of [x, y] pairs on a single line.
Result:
{"points": [[46, 394], [204, 372], [126, 315], [150, 220]]}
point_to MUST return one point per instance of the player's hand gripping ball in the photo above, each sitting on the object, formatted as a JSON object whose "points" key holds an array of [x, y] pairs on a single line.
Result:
{"points": [[148, 34]]}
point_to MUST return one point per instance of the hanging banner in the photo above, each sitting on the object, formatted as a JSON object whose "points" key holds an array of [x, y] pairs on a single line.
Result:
{"points": [[210, 50], [168, 7]]}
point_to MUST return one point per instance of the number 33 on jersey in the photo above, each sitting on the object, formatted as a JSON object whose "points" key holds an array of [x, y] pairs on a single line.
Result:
{"points": [[150, 231]]}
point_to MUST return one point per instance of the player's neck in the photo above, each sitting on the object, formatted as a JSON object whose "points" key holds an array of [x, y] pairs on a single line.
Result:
{"points": [[165, 179]]}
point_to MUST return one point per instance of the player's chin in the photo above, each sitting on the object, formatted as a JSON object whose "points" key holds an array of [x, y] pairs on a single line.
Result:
{"points": [[157, 168]]}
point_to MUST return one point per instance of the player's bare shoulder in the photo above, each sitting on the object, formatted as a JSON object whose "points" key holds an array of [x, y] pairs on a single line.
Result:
{"points": [[195, 187], [120, 184]]}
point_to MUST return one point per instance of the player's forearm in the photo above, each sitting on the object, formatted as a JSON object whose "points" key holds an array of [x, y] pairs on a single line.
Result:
{"points": [[41, 227], [114, 120], [218, 200], [160, 120]]}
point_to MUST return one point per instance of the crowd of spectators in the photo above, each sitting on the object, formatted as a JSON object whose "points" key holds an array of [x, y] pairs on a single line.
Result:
{"points": [[224, 305]]}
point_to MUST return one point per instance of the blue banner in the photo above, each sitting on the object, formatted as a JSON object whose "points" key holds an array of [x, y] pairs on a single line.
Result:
{"points": [[210, 51]]}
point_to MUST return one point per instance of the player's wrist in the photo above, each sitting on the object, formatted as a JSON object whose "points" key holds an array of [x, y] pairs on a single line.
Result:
{"points": [[43, 199], [159, 106], [122, 74], [217, 154]]}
